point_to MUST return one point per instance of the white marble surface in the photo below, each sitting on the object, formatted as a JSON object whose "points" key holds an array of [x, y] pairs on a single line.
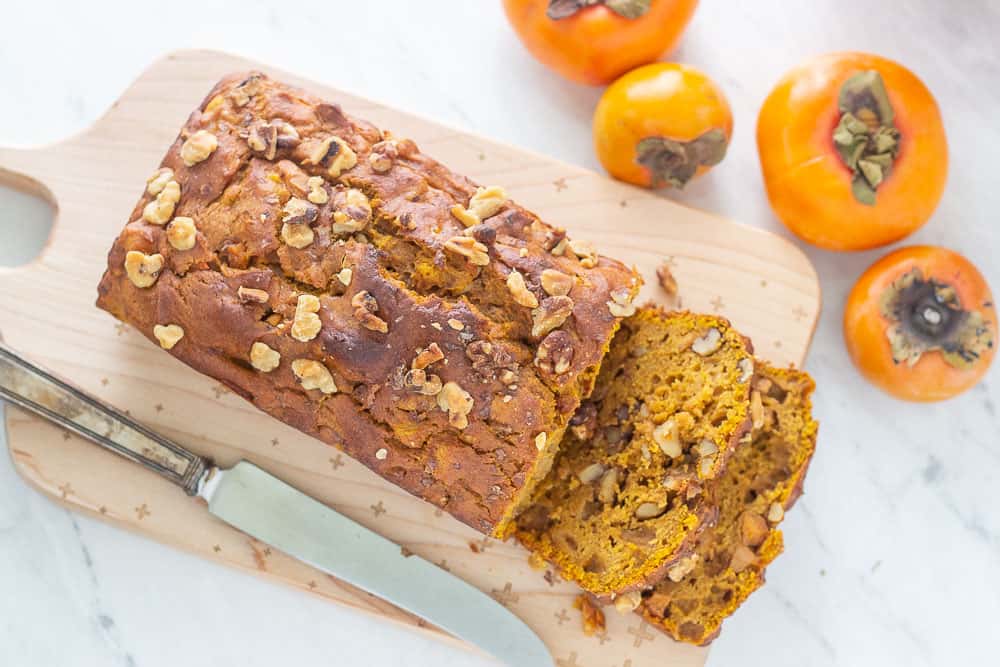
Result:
{"points": [[893, 555]]}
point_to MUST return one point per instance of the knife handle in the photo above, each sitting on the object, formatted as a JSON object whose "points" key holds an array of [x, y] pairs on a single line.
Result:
{"points": [[28, 386]]}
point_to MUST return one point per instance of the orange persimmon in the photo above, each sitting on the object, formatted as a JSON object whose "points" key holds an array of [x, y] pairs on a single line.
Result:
{"points": [[662, 124], [594, 41], [920, 324], [853, 151]]}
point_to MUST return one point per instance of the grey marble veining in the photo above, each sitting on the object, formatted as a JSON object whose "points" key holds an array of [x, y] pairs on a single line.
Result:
{"points": [[892, 556]]}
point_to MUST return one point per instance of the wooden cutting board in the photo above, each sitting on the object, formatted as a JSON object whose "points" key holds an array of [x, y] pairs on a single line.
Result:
{"points": [[762, 282]]}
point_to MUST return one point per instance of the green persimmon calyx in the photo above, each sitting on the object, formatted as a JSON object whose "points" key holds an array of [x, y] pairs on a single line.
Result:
{"points": [[866, 137], [629, 9], [675, 163], [925, 315]]}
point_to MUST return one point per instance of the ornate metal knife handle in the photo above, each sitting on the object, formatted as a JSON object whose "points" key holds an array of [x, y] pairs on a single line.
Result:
{"points": [[34, 389]]}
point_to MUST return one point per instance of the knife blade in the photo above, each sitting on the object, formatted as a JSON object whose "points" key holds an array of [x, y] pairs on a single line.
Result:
{"points": [[271, 511]]}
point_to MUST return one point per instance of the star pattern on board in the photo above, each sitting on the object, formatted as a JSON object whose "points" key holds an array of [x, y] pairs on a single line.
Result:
{"points": [[217, 548], [670, 261], [275, 442], [220, 390], [66, 435], [562, 616], [439, 513], [717, 304], [505, 596], [267, 552], [337, 461], [378, 508], [158, 407], [103, 509], [66, 490], [105, 382], [443, 564], [641, 634], [602, 637], [142, 511], [482, 157], [312, 585], [777, 343], [623, 203], [568, 662], [120, 328], [481, 546], [560, 184]]}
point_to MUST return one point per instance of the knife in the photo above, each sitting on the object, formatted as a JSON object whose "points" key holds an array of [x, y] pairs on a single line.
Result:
{"points": [[269, 510]]}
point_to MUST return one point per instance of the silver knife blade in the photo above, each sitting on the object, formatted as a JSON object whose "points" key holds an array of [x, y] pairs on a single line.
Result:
{"points": [[273, 512]]}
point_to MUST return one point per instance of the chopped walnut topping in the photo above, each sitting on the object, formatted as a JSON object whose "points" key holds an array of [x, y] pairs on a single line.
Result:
{"points": [[626, 603], [667, 437], [746, 370], [556, 283], [143, 269], [297, 236], [708, 343], [682, 568], [621, 304], [470, 248], [198, 147], [550, 314], [334, 153], [667, 281], [159, 180], [555, 353], [540, 440], [242, 93], [365, 307], [160, 210], [519, 290], [383, 154], [168, 335], [344, 276], [743, 557], [381, 454], [306, 324], [264, 358], [483, 204], [355, 215], [431, 354], [555, 238], [182, 233], [314, 375], [457, 403], [775, 513], [299, 212], [591, 615], [584, 251], [317, 193], [419, 381], [251, 295], [263, 139], [457, 325]]}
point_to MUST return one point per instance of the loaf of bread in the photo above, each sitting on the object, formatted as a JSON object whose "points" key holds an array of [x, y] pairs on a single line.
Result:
{"points": [[762, 480], [632, 487], [356, 289]]}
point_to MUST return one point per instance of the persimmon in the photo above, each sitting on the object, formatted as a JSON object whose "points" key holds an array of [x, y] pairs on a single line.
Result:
{"points": [[920, 324], [595, 41], [662, 124], [853, 151]]}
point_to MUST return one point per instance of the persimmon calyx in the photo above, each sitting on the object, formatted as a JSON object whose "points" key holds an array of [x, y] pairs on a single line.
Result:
{"points": [[676, 162], [925, 315], [866, 137], [629, 9]]}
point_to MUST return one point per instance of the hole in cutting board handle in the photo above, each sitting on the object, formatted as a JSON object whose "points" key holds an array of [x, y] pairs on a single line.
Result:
{"points": [[27, 214]]}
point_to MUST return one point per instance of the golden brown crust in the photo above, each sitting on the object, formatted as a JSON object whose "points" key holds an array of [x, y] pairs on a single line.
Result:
{"points": [[382, 211]]}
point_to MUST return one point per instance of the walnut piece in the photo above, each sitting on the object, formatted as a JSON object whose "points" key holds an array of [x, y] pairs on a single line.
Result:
{"points": [[584, 251], [168, 335], [591, 473], [519, 290], [555, 353], [667, 437], [682, 568], [470, 248], [457, 403], [540, 440], [355, 214], [182, 233], [160, 210], [756, 410], [317, 193], [382, 454], [344, 276], [648, 511], [299, 212], [556, 283], [365, 307], [626, 603], [753, 529], [297, 236], [431, 354], [608, 489], [743, 557], [143, 269], [746, 370], [198, 147], [251, 295], [314, 375], [383, 154], [159, 180], [775, 513], [708, 342], [264, 358], [306, 324], [550, 314], [332, 152], [621, 304], [484, 203], [418, 380], [591, 615]]}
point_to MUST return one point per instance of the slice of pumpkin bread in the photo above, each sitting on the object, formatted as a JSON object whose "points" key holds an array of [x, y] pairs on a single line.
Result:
{"points": [[762, 480], [628, 494]]}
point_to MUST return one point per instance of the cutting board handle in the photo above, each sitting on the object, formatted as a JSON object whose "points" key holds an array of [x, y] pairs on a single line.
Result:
{"points": [[24, 168]]}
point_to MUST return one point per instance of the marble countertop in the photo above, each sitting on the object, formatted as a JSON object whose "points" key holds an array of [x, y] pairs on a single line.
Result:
{"points": [[893, 554]]}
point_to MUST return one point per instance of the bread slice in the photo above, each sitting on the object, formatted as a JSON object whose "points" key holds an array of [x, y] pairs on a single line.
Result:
{"points": [[762, 480], [627, 495]]}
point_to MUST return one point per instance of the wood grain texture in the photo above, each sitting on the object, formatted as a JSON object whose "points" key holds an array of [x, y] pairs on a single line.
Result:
{"points": [[763, 283]]}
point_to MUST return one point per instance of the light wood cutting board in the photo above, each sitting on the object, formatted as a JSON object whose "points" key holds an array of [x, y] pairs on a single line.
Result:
{"points": [[762, 282]]}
